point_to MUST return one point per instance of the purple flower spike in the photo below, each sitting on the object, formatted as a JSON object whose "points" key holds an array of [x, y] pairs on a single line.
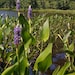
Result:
{"points": [[17, 35], [29, 12], [17, 30], [17, 5]]}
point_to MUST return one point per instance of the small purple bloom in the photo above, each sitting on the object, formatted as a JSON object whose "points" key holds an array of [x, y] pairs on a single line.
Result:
{"points": [[29, 12], [60, 56], [54, 59], [52, 67], [17, 35], [17, 30], [17, 5]]}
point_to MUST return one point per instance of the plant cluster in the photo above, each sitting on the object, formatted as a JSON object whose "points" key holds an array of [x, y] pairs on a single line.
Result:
{"points": [[29, 45]]}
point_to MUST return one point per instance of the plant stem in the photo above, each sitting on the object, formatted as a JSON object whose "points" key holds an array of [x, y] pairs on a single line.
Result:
{"points": [[73, 67], [41, 47], [18, 59], [30, 25], [18, 13]]}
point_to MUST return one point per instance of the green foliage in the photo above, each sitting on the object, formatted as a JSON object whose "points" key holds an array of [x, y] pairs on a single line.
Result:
{"points": [[38, 4], [26, 46], [65, 38], [10, 69], [51, 27], [23, 65], [64, 68], [24, 23], [43, 61], [45, 64], [71, 47], [1, 35], [63, 4], [7, 30], [45, 31], [26, 36], [55, 11], [7, 4], [53, 4], [72, 5], [56, 71], [71, 73]]}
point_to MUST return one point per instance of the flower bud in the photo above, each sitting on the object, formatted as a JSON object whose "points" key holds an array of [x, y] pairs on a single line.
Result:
{"points": [[29, 12], [17, 5]]}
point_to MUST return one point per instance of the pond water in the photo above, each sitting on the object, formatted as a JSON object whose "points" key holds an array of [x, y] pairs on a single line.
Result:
{"points": [[10, 13]]}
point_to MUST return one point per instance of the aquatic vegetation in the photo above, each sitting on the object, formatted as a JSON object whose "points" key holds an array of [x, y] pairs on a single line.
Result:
{"points": [[42, 49]]}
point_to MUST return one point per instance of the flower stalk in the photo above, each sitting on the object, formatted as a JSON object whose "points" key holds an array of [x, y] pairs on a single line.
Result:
{"points": [[29, 15], [17, 5], [17, 37]]}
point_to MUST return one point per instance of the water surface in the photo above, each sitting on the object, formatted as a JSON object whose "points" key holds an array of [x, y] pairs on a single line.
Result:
{"points": [[10, 13]]}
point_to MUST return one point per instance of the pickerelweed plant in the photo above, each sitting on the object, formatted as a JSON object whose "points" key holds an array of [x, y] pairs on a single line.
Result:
{"points": [[22, 51], [35, 47], [17, 39]]}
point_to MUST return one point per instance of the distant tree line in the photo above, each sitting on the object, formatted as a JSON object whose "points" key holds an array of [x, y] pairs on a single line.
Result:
{"points": [[40, 4], [7, 3]]}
